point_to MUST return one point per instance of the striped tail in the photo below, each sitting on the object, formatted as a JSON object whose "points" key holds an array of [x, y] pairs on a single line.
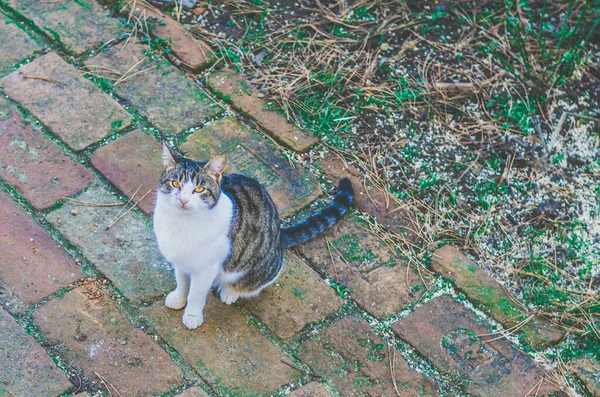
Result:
{"points": [[317, 223]]}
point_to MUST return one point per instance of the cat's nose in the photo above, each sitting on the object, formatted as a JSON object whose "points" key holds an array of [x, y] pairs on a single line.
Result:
{"points": [[183, 202]]}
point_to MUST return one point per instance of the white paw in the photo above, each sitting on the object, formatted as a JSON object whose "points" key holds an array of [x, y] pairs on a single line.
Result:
{"points": [[229, 296], [192, 321], [175, 301]]}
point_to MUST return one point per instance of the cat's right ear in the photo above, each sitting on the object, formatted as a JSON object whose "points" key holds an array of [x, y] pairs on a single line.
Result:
{"points": [[170, 157], [216, 166]]}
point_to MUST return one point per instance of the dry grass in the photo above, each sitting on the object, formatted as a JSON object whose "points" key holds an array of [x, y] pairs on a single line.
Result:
{"points": [[293, 61], [492, 90]]}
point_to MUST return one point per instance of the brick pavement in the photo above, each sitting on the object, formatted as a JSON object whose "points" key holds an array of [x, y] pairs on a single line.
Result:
{"points": [[191, 52], [26, 369], [154, 87], [69, 105], [16, 44], [457, 342], [32, 264], [348, 316]]}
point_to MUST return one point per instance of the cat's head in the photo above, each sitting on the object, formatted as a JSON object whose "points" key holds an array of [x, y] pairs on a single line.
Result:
{"points": [[188, 185]]}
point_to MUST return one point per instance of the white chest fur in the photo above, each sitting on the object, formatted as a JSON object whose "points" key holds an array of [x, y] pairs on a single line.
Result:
{"points": [[192, 240]]}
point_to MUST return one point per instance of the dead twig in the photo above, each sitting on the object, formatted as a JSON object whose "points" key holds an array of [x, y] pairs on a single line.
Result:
{"points": [[392, 358], [455, 86], [112, 222], [316, 377], [107, 385], [47, 79], [116, 219], [292, 366], [583, 116], [556, 131]]}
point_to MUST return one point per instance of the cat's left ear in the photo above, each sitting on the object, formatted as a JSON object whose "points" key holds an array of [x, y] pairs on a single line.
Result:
{"points": [[216, 167], [170, 157]]}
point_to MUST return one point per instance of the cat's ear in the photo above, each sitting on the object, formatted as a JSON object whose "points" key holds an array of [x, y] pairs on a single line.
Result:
{"points": [[216, 166], [170, 157]]}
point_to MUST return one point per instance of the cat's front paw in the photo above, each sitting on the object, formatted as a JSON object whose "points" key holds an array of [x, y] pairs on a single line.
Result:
{"points": [[175, 300], [192, 321]]}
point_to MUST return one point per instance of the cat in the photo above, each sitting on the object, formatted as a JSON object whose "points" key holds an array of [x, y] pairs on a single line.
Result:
{"points": [[223, 230]]}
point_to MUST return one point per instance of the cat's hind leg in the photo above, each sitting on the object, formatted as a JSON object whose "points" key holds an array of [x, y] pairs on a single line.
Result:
{"points": [[223, 283], [228, 295], [244, 287]]}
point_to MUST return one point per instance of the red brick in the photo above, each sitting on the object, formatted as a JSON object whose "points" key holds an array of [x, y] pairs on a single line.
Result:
{"points": [[381, 283], [25, 368], [36, 167], [157, 89], [72, 107], [131, 161], [32, 264], [245, 99], [298, 297], [252, 154], [79, 27], [458, 343], [310, 390], [480, 286], [16, 45], [192, 52], [96, 337], [126, 253], [227, 351], [351, 356]]}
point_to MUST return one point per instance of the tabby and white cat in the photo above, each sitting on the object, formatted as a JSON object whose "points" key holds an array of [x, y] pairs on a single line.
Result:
{"points": [[223, 230]]}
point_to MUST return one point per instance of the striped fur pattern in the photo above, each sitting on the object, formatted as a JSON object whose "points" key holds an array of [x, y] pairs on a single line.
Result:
{"points": [[223, 231], [317, 223], [255, 234]]}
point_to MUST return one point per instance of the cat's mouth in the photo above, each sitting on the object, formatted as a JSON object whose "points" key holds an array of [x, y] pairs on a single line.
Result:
{"points": [[182, 207]]}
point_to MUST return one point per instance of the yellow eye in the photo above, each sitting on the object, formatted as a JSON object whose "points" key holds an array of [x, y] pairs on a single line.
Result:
{"points": [[199, 189], [176, 184]]}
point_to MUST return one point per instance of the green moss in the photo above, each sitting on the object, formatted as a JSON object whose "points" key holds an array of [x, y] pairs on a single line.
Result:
{"points": [[223, 97], [495, 300], [352, 252], [375, 351], [340, 288], [83, 4], [117, 124], [244, 85], [61, 292], [364, 381], [53, 33], [299, 293]]}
